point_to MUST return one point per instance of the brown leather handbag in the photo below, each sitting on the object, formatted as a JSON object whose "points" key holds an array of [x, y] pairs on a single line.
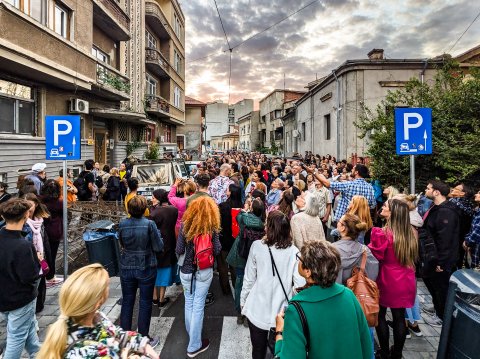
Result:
{"points": [[366, 291]]}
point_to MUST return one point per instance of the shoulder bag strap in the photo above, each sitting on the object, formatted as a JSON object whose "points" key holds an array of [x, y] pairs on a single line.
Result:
{"points": [[303, 319], [276, 270], [364, 259]]}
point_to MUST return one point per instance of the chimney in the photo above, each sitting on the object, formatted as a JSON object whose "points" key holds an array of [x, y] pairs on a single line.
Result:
{"points": [[376, 54]]}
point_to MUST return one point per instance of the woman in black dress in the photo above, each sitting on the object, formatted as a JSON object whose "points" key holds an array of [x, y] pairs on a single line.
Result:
{"points": [[165, 217]]}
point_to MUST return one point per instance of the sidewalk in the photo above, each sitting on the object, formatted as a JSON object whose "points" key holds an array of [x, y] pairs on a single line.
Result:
{"points": [[416, 347], [51, 311]]}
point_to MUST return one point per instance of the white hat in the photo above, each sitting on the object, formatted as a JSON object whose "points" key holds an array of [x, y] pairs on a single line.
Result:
{"points": [[39, 167]]}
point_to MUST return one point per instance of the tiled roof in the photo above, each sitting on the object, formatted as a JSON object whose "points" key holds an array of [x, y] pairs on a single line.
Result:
{"points": [[192, 101]]}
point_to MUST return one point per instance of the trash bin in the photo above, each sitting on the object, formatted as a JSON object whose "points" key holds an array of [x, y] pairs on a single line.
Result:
{"points": [[461, 324], [102, 245]]}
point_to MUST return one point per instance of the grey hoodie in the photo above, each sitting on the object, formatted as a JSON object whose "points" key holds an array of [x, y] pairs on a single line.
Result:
{"points": [[351, 256]]}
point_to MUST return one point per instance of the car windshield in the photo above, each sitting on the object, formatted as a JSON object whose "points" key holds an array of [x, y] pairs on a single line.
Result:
{"points": [[157, 173], [183, 170]]}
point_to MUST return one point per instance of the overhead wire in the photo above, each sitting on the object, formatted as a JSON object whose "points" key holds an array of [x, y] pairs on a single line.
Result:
{"points": [[464, 32], [256, 34]]}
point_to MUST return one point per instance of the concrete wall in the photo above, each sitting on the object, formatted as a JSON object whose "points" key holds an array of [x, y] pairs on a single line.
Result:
{"points": [[242, 108], [192, 130], [216, 116], [267, 105], [107, 45]]}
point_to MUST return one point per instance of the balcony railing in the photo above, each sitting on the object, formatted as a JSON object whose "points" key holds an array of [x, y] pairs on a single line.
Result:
{"points": [[110, 78], [157, 20], [155, 57], [156, 104], [114, 7]]}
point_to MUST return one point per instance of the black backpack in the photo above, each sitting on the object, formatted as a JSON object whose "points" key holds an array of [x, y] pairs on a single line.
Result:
{"points": [[249, 236], [82, 187]]}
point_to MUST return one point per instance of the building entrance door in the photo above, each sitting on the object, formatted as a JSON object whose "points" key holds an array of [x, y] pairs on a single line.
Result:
{"points": [[100, 146]]}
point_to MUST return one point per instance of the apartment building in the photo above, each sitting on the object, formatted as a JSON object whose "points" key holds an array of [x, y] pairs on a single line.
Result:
{"points": [[89, 58], [272, 108], [248, 131], [161, 33]]}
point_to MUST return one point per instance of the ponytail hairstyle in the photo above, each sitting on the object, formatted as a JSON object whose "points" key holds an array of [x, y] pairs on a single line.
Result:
{"points": [[404, 241], [353, 225], [81, 294], [359, 207]]}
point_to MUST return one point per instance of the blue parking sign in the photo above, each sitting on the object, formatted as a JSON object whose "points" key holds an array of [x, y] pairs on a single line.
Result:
{"points": [[413, 131], [62, 137]]}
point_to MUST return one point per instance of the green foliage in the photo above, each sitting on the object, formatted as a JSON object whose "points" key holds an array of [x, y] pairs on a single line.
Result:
{"points": [[114, 81], [152, 152], [132, 146], [455, 101]]}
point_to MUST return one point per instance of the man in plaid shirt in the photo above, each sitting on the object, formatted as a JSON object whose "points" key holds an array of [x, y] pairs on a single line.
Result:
{"points": [[472, 240], [357, 187]]}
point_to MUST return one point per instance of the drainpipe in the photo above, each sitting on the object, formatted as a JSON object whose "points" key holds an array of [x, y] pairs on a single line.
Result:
{"points": [[338, 114]]}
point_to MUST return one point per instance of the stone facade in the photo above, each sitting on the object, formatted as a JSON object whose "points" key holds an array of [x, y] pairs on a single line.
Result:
{"points": [[248, 131]]}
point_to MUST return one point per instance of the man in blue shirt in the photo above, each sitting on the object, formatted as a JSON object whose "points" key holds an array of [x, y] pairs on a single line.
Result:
{"points": [[357, 187]]}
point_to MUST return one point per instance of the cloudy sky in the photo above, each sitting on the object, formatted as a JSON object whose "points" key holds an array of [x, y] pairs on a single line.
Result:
{"points": [[314, 41]]}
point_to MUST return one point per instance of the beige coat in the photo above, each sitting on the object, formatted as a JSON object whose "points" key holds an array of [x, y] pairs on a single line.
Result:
{"points": [[306, 227]]}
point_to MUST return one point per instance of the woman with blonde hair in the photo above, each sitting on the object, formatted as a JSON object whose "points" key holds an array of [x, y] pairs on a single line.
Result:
{"points": [[81, 331], [359, 207], [200, 230], [396, 248]]}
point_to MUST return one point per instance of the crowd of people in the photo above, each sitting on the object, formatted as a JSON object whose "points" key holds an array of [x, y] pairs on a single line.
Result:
{"points": [[286, 235]]}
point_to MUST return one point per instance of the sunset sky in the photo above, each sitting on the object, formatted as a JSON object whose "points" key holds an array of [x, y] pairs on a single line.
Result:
{"points": [[313, 42]]}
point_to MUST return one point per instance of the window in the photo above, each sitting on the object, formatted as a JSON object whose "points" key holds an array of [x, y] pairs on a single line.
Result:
{"points": [[17, 108], [327, 127], [303, 131], [151, 85], [278, 113], [150, 40], [100, 55], [177, 26], [61, 21], [177, 61], [167, 133], [177, 97], [3, 177], [264, 117], [38, 10]]}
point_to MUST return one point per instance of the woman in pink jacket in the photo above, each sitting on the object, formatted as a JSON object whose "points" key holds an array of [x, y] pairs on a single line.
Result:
{"points": [[180, 203], [396, 249]]}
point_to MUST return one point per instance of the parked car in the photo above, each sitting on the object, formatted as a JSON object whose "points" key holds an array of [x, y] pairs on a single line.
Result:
{"points": [[191, 165], [157, 174]]}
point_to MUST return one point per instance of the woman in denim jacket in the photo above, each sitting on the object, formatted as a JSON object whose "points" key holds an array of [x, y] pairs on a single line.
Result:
{"points": [[139, 239]]}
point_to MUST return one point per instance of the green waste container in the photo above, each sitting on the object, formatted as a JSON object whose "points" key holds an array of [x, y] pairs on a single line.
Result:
{"points": [[102, 246]]}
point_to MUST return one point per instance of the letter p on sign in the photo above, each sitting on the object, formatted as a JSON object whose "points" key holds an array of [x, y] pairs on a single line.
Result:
{"points": [[407, 125], [60, 132]]}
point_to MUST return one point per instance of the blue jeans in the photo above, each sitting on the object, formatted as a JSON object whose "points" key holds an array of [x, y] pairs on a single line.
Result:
{"points": [[21, 332], [413, 314], [195, 305], [239, 272], [131, 279]]}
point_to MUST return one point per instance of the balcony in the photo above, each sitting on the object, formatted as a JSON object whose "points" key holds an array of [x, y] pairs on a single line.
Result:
{"points": [[35, 53], [156, 63], [111, 84], [157, 105], [111, 19], [157, 21]]}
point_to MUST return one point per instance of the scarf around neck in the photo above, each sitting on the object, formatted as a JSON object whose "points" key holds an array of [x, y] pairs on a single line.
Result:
{"points": [[36, 227]]}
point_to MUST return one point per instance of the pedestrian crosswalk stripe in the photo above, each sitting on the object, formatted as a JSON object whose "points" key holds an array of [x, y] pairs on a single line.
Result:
{"points": [[160, 327], [235, 342]]}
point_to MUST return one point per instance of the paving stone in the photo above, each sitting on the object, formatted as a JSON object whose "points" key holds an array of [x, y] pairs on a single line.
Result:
{"points": [[418, 345]]}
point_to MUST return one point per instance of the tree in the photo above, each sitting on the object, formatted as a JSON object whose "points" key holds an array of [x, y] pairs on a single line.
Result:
{"points": [[455, 101]]}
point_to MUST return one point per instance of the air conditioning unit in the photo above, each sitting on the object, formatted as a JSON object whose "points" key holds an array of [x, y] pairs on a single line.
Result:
{"points": [[296, 133], [78, 106]]}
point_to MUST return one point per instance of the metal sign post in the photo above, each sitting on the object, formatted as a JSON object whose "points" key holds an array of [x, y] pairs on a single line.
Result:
{"points": [[413, 134], [65, 222], [61, 134]]}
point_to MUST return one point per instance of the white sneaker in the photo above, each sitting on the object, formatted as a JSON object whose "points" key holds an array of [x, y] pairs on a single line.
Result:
{"points": [[433, 320]]}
